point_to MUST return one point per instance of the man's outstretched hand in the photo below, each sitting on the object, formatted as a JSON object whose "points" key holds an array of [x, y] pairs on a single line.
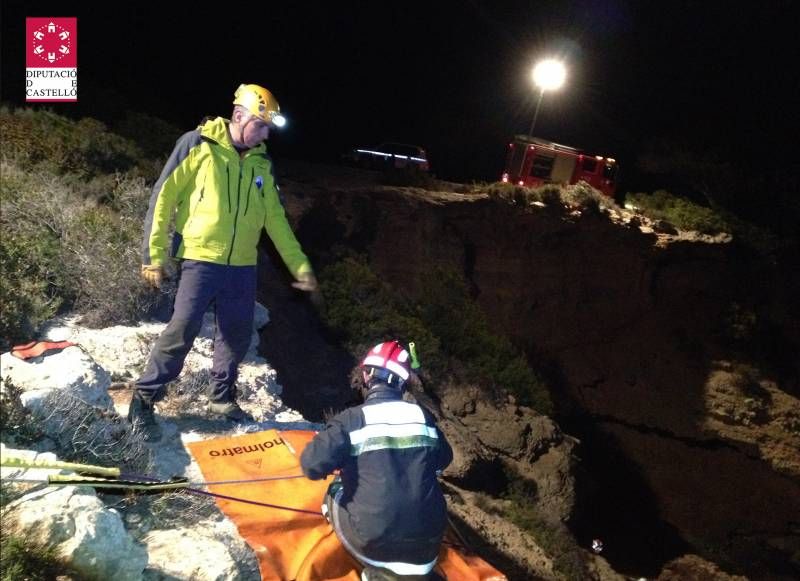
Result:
{"points": [[308, 282]]}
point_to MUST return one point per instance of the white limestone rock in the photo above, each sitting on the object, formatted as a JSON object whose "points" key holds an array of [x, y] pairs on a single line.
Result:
{"points": [[71, 369], [224, 556], [89, 535]]}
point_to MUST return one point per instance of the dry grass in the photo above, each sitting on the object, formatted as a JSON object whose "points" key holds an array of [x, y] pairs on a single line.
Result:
{"points": [[85, 433]]}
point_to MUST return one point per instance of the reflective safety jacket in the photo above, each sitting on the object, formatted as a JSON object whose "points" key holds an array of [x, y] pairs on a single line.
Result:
{"points": [[220, 203], [389, 451]]}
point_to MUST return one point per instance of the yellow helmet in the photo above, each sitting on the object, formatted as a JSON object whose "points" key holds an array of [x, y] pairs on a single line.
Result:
{"points": [[260, 103]]}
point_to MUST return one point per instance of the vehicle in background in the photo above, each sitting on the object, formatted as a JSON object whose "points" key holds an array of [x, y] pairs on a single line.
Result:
{"points": [[390, 155], [533, 162]]}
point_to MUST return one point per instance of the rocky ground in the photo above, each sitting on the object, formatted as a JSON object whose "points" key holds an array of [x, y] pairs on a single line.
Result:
{"points": [[144, 536]]}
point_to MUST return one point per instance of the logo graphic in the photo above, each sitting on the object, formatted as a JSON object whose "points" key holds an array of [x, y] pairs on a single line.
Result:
{"points": [[51, 73]]}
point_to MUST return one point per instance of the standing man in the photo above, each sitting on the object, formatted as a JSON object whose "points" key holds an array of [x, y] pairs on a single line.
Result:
{"points": [[220, 188], [387, 510]]}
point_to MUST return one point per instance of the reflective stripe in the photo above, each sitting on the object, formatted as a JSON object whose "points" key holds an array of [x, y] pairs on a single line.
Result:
{"points": [[398, 369], [392, 366], [397, 567], [393, 412], [390, 443], [391, 431], [375, 360], [401, 568], [394, 425]]}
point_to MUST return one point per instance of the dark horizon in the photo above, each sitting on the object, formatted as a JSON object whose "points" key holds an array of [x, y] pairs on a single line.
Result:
{"points": [[453, 77]]}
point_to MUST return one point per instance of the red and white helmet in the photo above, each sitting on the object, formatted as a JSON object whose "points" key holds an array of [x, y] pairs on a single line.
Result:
{"points": [[389, 361]]}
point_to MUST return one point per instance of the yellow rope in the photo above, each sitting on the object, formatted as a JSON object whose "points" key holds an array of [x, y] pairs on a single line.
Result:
{"points": [[16, 462]]}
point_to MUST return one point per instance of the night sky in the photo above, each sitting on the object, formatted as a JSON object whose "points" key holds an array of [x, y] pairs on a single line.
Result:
{"points": [[451, 76]]}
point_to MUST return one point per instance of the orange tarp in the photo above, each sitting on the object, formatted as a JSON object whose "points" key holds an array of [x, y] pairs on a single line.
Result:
{"points": [[293, 545]]}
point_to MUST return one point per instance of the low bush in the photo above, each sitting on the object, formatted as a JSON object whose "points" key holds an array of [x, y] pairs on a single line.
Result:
{"points": [[87, 434], [23, 560], [69, 243], [363, 310], [450, 330], [511, 193], [489, 359], [584, 196], [580, 195], [553, 537], [86, 147], [686, 215], [30, 291], [17, 428]]}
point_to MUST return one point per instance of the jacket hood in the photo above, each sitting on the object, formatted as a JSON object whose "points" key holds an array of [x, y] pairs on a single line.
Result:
{"points": [[217, 130]]}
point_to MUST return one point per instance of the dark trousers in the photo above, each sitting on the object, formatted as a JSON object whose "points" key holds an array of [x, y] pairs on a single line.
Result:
{"points": [[370, 572], [232, 291]]}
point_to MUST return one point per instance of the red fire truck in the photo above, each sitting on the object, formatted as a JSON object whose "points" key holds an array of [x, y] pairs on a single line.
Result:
{"points": [[533, 162]]}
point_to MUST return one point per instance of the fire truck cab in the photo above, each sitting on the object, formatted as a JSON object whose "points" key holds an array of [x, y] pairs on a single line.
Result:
{"points": [[533, 162]]}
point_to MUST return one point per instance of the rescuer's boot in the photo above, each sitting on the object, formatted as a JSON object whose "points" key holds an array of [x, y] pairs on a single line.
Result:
{"points": [[141, 415], [229, 409]]}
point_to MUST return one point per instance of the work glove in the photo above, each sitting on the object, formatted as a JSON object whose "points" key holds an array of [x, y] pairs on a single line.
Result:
{"points": [[153, 274], [307, 282]]}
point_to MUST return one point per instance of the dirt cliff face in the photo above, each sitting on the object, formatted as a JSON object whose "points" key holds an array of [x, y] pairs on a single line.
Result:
{"points": [[673, 359]]}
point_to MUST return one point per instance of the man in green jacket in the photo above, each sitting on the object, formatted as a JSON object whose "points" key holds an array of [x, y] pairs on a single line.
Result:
{"points": [[219, 187]]}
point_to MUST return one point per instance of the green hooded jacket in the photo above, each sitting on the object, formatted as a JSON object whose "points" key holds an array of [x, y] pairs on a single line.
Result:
{"points": [[220, 203]]}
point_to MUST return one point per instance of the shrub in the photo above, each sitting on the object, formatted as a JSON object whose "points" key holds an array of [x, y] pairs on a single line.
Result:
{"points": [[27, 295], [86, 147], [31, 257], [547, 194], [450, 330], [363, 310], [745, 379], [553, 537], [104, 257], [586, 197], [686, 215], [16, 427], [91, 435], [20, 559], [510, 193], [460, 324], [69, 243], [581, 195]]}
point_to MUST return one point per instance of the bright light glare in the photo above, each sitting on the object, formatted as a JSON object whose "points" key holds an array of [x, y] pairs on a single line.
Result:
{"points": [[549, 74], [279, 120]]}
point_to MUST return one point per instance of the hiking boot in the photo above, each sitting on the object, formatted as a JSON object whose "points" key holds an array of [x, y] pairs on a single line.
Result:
{"points": [[229, 409], [141, 415]]}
